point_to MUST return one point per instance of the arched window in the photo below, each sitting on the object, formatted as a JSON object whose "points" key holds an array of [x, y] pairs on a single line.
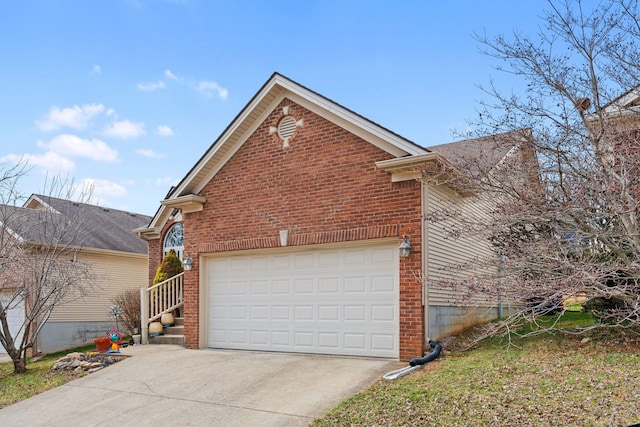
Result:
{"points": [[174, 240]]}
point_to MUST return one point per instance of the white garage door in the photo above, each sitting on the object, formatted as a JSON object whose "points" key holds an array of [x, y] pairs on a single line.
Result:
{"points": [[15, 318], [325, 300]]}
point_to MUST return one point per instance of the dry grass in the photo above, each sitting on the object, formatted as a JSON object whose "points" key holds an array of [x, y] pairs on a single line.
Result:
{"points": [[552, 380], [38, 378]]}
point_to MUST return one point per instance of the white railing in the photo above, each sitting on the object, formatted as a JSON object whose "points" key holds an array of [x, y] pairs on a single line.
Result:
{"points": [[158, 299]]}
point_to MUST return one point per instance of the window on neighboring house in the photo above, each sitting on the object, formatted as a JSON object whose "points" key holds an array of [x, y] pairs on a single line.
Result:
{"points": [[174, 240]]}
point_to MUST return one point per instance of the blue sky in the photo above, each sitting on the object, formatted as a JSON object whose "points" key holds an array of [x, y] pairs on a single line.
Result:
{"points": [[128, 94]]}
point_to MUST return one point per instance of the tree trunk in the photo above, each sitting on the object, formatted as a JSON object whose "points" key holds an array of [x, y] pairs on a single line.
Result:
{"points": [[19, 365]]}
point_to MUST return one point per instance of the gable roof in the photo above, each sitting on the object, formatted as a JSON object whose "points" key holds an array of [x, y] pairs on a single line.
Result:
{"points": [[103, 228], [624, 105], [272, 92], [490, 150], [475, 156]]}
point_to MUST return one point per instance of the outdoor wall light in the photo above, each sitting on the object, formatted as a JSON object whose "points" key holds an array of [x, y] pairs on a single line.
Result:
{"points": [[187, 264], [405, 247]]}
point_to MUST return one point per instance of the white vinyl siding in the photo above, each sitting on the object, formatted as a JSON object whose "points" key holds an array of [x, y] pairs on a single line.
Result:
{"points": [[324, 300], [447, 250], [113, 274]]}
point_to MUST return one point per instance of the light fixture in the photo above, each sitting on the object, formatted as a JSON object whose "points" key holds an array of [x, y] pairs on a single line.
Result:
{"points": [[405, 247], [187, 264]]}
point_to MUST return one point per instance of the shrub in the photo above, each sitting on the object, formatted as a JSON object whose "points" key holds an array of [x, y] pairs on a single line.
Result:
{"points": [[169, 267], [129, 301]]}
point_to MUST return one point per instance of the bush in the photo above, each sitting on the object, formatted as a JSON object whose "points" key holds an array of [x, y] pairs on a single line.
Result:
{"points": [[129, 301], [169, 267]]}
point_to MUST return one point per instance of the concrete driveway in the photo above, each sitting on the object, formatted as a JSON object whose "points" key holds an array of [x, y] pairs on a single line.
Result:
{"points": [[172, 386]]}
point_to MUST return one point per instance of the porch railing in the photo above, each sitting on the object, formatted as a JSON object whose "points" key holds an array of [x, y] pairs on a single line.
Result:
{"points": [[158, 299]]}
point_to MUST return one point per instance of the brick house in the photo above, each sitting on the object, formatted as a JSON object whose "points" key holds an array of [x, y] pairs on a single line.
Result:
{"points": [[293, 218]]}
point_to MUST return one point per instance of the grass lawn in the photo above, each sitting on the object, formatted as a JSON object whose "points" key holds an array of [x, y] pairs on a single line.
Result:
{"points": [[547, 380], [37, 379]]}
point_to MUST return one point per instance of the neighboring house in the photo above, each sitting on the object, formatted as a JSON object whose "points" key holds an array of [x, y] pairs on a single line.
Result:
{"points": [[294, 217], [117, 257]]}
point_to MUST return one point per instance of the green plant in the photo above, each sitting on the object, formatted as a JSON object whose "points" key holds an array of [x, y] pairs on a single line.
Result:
{"points": [[169, 267]]}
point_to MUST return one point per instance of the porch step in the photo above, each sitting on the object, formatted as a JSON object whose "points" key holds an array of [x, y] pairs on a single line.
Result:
{"points": [[167, 339], [172, 334]]}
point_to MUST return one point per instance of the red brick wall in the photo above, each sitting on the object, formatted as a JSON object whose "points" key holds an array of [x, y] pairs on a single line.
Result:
{"points": [[324, 188]]}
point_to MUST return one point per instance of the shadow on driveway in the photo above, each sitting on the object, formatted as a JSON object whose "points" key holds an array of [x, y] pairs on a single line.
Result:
{"points": [[169, 385]]}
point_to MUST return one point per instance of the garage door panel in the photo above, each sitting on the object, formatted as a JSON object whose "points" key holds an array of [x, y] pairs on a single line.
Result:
{"points": [[382, 284], [237, 288], [329, 285], [280, 287], [332, 301], [355, 284], [328, 313], [354, 341], [237, 312], [382, 313], [304, 340], [383, 342], [303, 286], [259, 288], [280, 338], [304, 312], [260, 338], [383, 256], [354, 313], [280, 313], [329, 259]]}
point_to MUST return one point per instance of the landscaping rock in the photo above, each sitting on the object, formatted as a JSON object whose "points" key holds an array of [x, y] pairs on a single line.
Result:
{"points": [[80, 362]]}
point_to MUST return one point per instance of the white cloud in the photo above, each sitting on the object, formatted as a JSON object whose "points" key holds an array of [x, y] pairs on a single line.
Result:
{"points": [[171, 76], [208, 88], [125, 129], [96, 69], [103, 187], [148, 87], [150, 153], [76, 117], [164, 130], [72, 145], [167, 180], [48, 162]]}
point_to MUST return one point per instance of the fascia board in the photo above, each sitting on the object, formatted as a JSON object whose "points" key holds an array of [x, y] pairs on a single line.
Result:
{"points": [[41, 202], [352, 122], [11, 233], [148, 233], [109, 252], [239, 143], [220, 142], [187, 204]]}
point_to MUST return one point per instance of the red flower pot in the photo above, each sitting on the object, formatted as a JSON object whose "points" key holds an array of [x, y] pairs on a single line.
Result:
{"points": [[102, 344]]}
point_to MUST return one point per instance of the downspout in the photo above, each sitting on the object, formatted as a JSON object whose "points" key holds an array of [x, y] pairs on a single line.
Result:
{"points": [[437, 348], [416, 363], [425, 263]]}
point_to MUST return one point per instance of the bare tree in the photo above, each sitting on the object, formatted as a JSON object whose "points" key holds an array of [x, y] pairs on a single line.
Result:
{"points": [[569, 229], [39, 266]]}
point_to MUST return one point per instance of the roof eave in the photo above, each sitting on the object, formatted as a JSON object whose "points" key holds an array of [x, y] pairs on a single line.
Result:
{"points": [[187, 203], [415, 167]]}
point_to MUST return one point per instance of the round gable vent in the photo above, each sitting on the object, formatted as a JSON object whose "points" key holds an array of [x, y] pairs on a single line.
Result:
{"points": [[286, 127]]}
